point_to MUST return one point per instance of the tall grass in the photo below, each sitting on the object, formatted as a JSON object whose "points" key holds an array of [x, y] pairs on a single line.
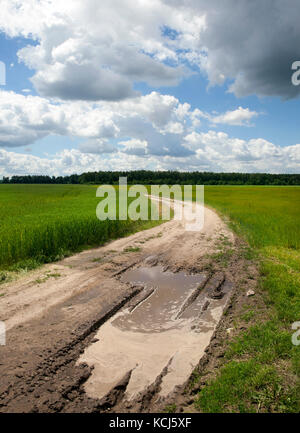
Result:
{"points": [[45, 222], [267, 216]]}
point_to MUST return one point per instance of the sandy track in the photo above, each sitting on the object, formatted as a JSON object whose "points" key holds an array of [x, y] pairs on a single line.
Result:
{"points": [[52, 313], [40, 290]]}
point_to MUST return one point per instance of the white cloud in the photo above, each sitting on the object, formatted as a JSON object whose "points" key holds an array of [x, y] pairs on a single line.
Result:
{"points": [[88, 50], [233, 154], [251, 43], [88, 55], [214, 151], [97, 146], [91, 50], [239, 117], [135, 147], [25, 119], [67, 162], [158, 119], [153, 130]]}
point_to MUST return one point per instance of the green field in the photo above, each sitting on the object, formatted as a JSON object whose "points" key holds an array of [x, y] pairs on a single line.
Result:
{"points": [[42, 223], [268, 217], [261, 366]]}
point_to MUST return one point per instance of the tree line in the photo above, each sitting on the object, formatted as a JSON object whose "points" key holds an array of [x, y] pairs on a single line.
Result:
{"points": [[160, 177]]}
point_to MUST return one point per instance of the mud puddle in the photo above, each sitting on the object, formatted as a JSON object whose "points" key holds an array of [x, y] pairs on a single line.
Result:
{"points": [[167, 293], [161, 335]]}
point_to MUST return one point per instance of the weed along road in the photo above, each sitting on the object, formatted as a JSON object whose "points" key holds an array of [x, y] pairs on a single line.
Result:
{"points": [[120, 327]]}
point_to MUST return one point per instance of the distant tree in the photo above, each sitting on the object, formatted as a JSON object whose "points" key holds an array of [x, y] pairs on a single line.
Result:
{"points": [[161, 177]]}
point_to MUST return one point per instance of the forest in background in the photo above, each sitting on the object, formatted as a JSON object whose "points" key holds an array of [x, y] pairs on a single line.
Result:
{"points": [[160, 177]]}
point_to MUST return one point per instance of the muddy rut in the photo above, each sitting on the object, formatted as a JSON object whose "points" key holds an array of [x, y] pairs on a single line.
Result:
{"points": [[120, 327]]}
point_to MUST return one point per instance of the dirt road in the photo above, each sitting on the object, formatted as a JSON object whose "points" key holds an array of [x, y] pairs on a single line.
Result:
{"points": [[114, 328]]}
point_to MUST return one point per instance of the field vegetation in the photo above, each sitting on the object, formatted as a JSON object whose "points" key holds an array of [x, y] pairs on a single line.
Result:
{"points": [[261, 366], [43, 223]]}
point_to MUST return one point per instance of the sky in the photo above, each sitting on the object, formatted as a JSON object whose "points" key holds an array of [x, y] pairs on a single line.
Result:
{"points": [[149, 84]]}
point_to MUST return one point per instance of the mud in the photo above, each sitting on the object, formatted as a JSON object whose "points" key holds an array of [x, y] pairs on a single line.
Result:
{"points": [[159, 311], [116, 331], [168, 330]]}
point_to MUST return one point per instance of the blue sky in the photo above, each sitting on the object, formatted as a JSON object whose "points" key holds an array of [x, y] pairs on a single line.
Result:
{"points": [[154, 86]]}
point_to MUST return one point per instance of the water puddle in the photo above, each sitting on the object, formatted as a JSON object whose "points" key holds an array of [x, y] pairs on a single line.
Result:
{"points": [[158, 312], [166, 330]]}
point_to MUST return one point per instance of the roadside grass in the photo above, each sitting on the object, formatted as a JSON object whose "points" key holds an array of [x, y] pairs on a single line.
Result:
{"points": [[48, 275], [261, 366], [170, 408], [44, 223], [248, 316], [132, 249], [222, 257], [247, 387]]}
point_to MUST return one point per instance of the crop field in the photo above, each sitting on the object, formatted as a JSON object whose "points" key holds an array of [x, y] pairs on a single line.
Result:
{"points": [[268, 217], [42, 223]]}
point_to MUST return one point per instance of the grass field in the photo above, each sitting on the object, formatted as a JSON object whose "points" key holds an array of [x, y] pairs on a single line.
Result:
{"points": [[261, 366], [42, 223]]}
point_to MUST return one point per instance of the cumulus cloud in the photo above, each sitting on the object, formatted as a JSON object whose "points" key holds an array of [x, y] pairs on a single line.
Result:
{"points": [[67, 162], [239, 117], [90, 50], [135, 147], [88, 55], [252, 43], [24, 119], [97, 146], [212, 151], [154, 126], [225, 153], [159, 120], [82, 82]]}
